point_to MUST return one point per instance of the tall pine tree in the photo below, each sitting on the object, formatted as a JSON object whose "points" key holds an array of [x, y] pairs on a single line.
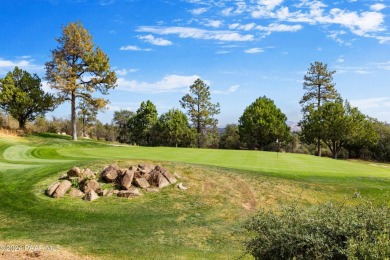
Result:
{"points": [[78, 69], [319, 90], [200, 110]]}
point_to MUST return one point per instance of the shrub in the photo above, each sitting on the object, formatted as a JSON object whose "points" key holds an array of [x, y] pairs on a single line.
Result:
{"points": [[327, 231]]}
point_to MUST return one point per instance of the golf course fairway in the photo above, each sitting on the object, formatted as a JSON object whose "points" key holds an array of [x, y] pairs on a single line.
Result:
{"points": [[225, 187]]}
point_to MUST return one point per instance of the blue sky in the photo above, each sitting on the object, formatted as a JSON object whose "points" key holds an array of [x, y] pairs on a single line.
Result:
{"points": [[241, 49]]}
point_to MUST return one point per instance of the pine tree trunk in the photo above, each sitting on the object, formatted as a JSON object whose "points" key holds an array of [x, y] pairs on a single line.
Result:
{"points": [[319, 148], [73, 117], [22, 123]]}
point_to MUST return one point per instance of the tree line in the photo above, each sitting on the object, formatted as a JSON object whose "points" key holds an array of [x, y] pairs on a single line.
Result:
{"points": [[330, 125]]}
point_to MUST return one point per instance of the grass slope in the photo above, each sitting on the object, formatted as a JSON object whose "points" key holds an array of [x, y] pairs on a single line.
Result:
{"points": [[204, 222]]}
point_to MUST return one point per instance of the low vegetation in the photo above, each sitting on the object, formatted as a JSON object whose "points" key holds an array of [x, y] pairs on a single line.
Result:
{"points": [[326, 231]]}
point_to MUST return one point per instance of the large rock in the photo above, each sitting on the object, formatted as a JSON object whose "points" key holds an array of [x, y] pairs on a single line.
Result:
{"points": [[110, 173], [138, 174], [133, 168], [145, 168], [132, 192], [162, 181], [127, 179], [147, 176], [75, 193], [152, 189], [159, 168], [91, 195], [102, 193], [52, 188], [142, 183], [62, 189], [88, 174], [90, 185], [74, 172], [169, 177]]}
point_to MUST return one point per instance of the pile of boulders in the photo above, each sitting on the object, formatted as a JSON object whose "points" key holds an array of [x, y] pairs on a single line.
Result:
{"points": [[126, 182]]}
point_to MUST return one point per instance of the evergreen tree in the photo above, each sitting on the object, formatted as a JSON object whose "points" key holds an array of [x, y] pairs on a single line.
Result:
{"points": [[22, 96], [120, 121], [319, 90], [142, 123], [340, 126], [201, 111], [230, 139], [263, 124], [87, 115], [173, 129], [78, 69]]}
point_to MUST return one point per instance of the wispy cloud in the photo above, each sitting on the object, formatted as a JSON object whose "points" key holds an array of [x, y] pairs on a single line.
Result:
{"points": [[106, 2], [155, 41], [369, 103], [195, 33], [368, 22], [274, 27], [383, 65], [222, 52], [169, 83], [213, 23], [124, 72], [377, 7], [245, 27], [254, 50], [198, 11], [340, 59], [133, 48], [23, 63], [230, 90]]}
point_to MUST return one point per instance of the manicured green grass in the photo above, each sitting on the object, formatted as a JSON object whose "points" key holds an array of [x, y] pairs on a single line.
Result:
{"points": [[225, 188]]}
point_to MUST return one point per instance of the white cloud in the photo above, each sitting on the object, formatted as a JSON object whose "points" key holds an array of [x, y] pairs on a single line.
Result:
{"points": [[195, 33], [274, 27], [270, 4], [155, 41], [230, 90], [132, 48], [169, 83], [28, 65], [368, 22], [124, 72], [213, 23], [24, 57], [8, 63], [359, 24], [227, 11], [245, 27], [362, 72], [384, 65], [369, 103], [198, 11], [222, 52], [377, 7], [335, 35], [46, 87], [382, 39], [340, 59], [254, 50]]}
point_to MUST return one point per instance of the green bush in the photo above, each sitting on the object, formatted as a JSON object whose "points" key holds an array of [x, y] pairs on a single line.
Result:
{"points": [[327, 231]]}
